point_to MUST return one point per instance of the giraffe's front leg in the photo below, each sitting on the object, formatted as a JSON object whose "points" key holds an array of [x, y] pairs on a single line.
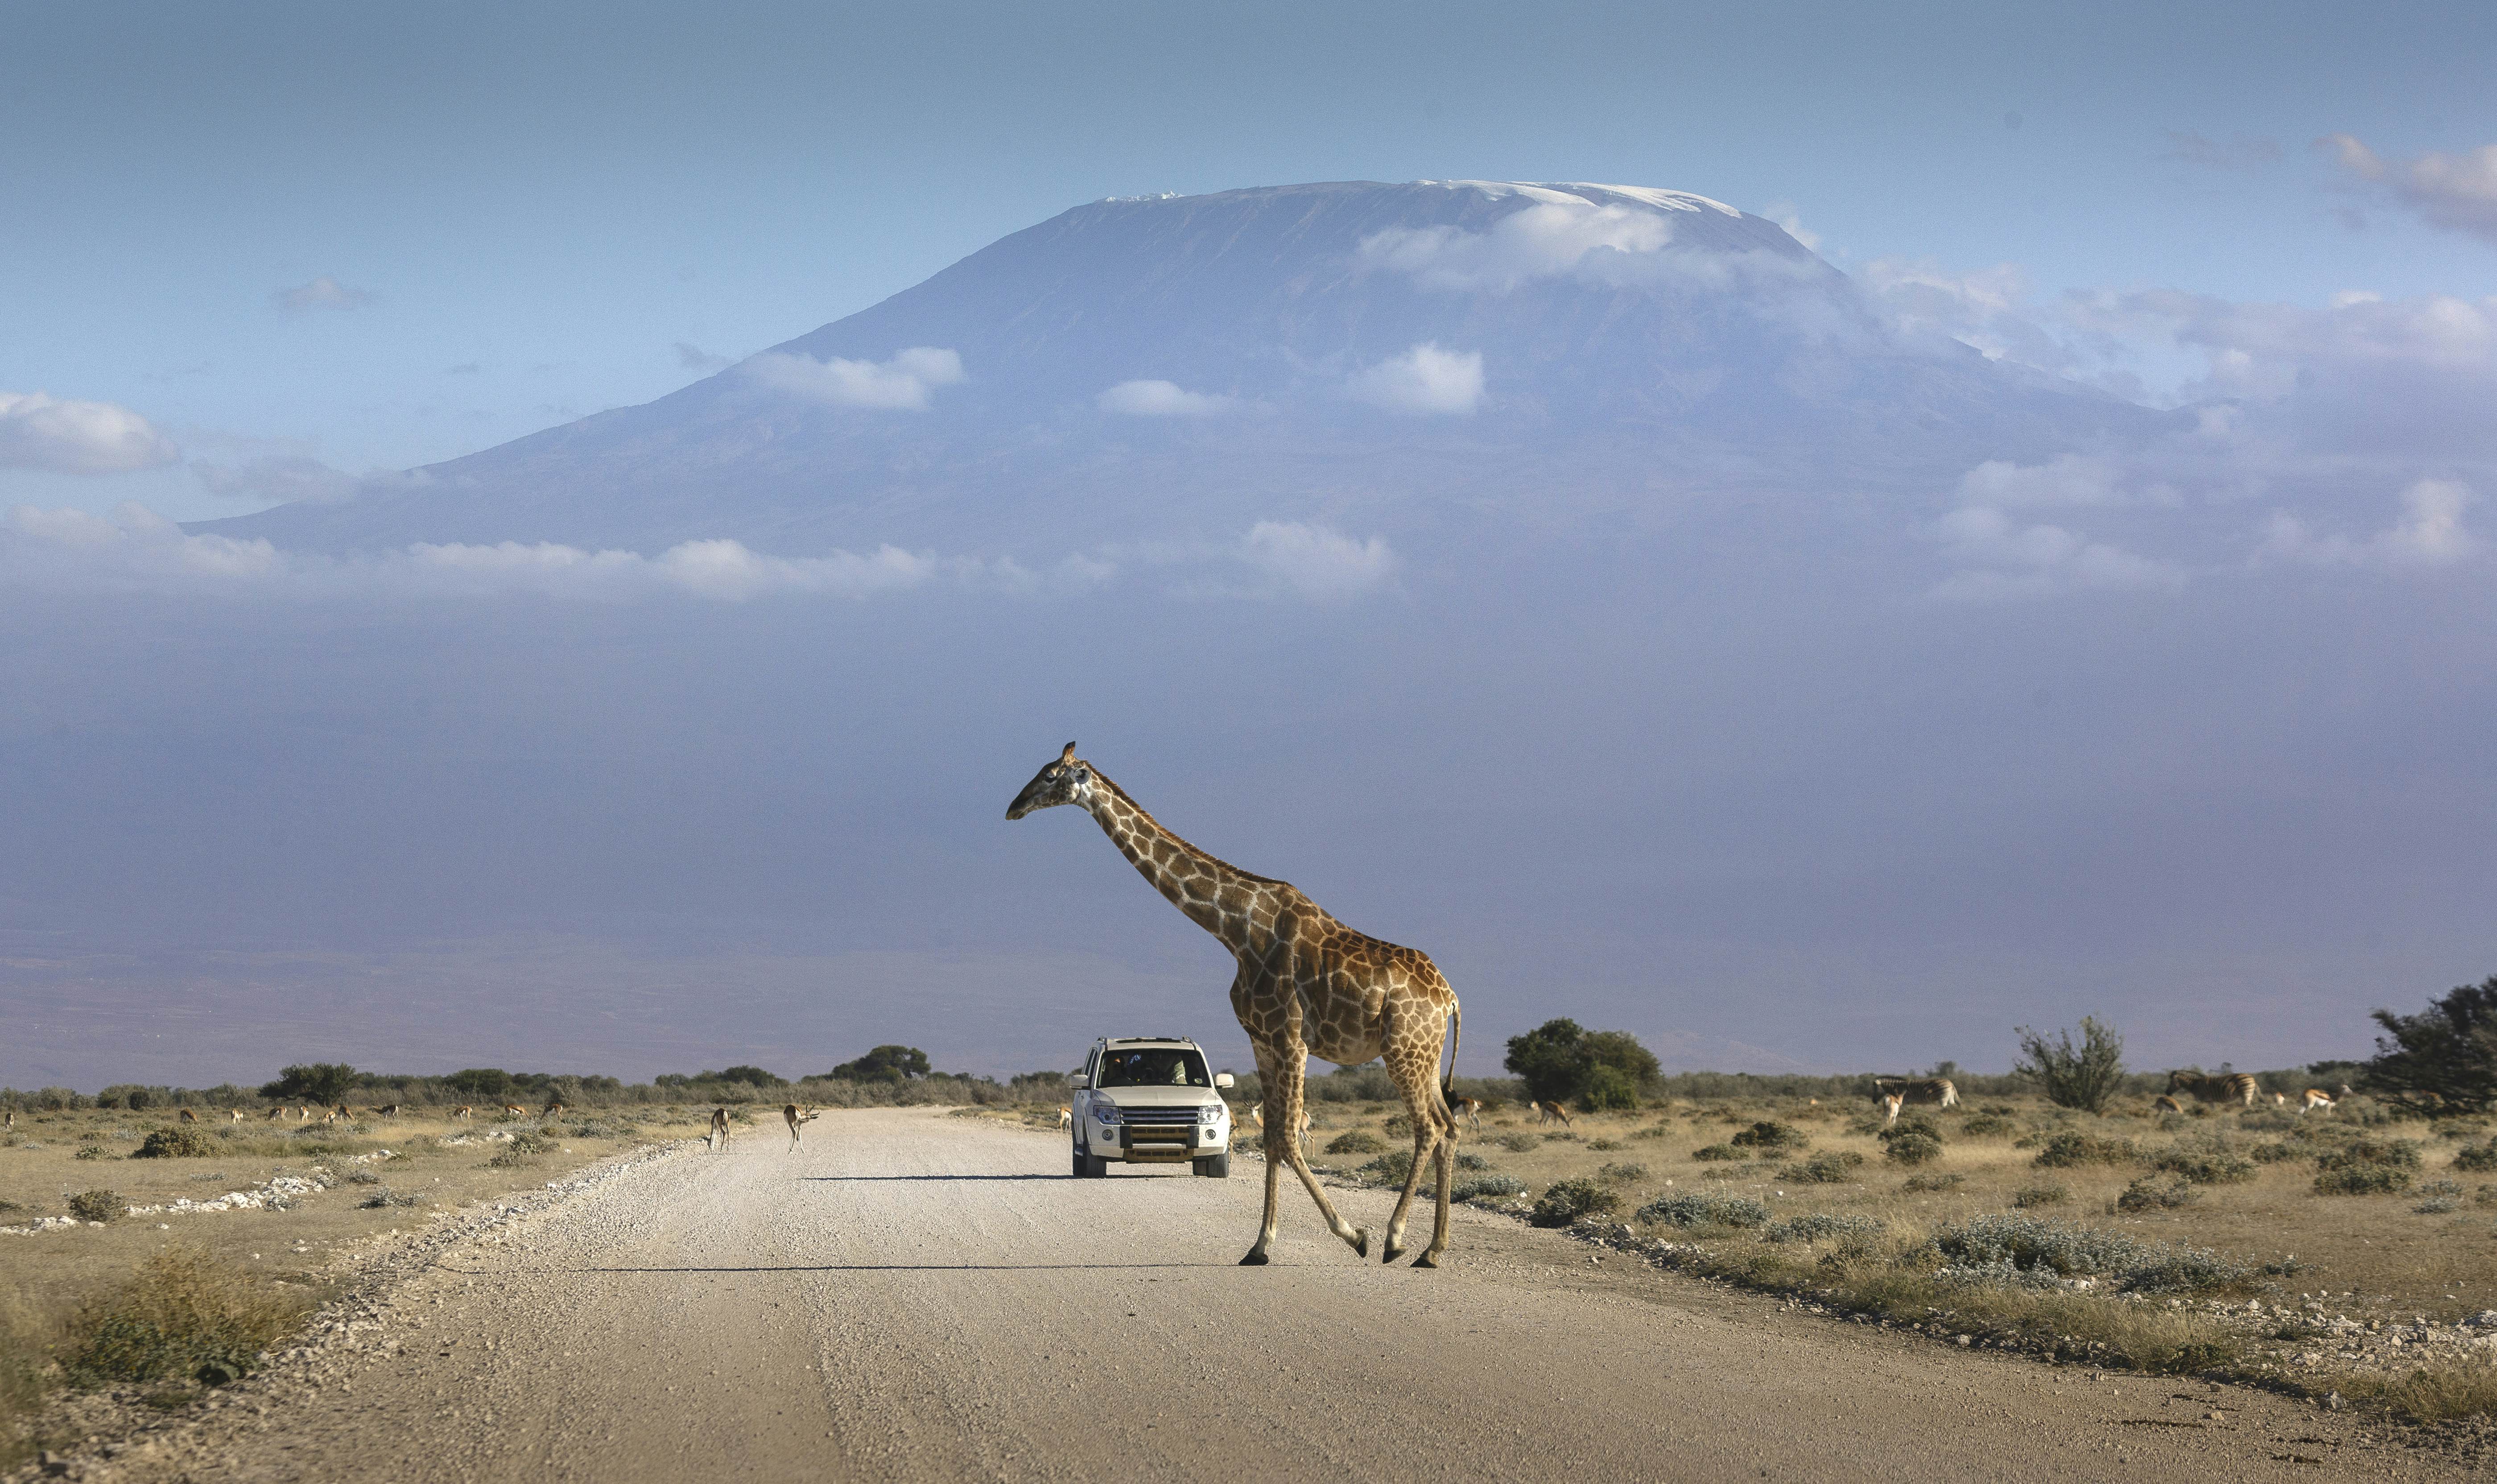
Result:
{"points": [[1291, 1074], [1274, 1128]]}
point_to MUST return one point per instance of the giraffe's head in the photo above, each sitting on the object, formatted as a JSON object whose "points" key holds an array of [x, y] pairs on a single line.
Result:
{"points": [[1067, 781]]}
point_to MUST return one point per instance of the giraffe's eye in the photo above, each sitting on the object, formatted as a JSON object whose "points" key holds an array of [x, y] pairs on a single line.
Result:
{"points": [[1083, 776]]}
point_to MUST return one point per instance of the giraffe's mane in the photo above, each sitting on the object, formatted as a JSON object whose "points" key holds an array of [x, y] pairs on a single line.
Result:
{"points": [[1207, 856]]}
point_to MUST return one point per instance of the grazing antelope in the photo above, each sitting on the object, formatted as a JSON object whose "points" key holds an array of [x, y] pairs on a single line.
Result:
{"points": [[1066, 1118], [346, 1114], [2163, 1103], [1555, 1110], [303, 1115], [2280, 1099], [274, 1115], [389, 1112], [188, 1116], [514, 1110], [2317, 1097], [2216, 1086], [1469, 1109], [795, 1118], [463, 1113], [718, 1129], [552, 1109], [1897, 1094], [234, 1114]]}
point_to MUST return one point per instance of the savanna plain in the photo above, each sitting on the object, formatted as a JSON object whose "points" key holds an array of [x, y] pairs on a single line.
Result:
{"points": [[2241, 1286]]}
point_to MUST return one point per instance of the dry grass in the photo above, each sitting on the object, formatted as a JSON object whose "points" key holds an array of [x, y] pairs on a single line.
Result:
{"points": [[183, 1316], [2236, 1185]]}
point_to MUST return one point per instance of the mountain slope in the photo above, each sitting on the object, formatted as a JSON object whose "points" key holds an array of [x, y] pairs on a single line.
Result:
{"points": [[1174, 366]]}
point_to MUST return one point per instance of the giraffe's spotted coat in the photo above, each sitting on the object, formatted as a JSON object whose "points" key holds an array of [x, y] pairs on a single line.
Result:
{"points": [[1307, 985]]}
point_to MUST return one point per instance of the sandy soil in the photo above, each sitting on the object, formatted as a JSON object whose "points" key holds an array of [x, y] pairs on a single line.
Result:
{"points": [[912, 1296]]}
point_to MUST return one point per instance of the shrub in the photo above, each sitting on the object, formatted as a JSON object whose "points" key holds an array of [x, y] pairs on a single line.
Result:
{"points": [[1705, 1210], [2069, 1150], [2480, 1157], [1911, 1147], [532, 1141], [324, 1084], [1987, 1125], [884, 1063], [2362, 1180], [1393, 1166], [1518, 1144], [1472, 1162], [1823, 1226], [2085, 1077], [1603, 1145], [2442, 1197], [1477, 1187], [2147, 1194], [2275, 1154], [181, 1315], [1770, 1138], [93, 1151], [2203, 1167], [385, 1196], [1919, 1183], [1356, 1141], [1566, 1202], [1399, 1126], [2015, 1247], [97, 1204], [2446, 1054], [183, 1141], [1716, 1151], [2040, 1195], [1559, 1061], [1829, 1167], [2393, 1154]]}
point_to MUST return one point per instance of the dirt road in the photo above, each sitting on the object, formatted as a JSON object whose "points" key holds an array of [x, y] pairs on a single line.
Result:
{"points": [[915, 1297]]}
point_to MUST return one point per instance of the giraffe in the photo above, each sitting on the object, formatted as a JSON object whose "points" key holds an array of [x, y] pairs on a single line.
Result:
{"points": [[1306, 984]]}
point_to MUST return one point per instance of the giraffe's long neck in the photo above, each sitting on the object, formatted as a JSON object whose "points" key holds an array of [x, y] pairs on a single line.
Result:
{"points": [[1217, 896]]}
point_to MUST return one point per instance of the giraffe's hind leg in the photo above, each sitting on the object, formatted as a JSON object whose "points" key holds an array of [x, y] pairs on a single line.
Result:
{"points": [[1414, 1061]]}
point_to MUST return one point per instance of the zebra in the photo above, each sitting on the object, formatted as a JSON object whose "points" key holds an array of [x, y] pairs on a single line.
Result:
{"points": [[1896, 1094], [2216, 1086]]}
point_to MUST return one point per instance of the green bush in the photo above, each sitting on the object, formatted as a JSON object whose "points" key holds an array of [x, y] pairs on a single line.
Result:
{"points": [[1608, 1089], [2085, 1077], [2445, 1055], [2441, 1196], [2203, 1167], [1392, 1167], [1987, 1125], [1356, 1141], [2362, 1180], [97, 1204], [2014, 1247], [2069, 1151], [1829, 1167], [2040, 1195], [1705, 1210], [1518, 1144], [1770, 1138], [182, 1317], [1603, 1145], [1911, 1147], [1472, 1162], [2393, 1153], [1716, 1151], [2276, 1153], [1568, 1200], [1477, 1187], [2477, 1157], [1918, 1184], [1622, 1173], [1823, 1226], [183, 1141], [2147, 1194], [93, 1151]]}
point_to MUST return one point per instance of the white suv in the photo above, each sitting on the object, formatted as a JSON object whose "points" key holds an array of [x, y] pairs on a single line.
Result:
{"points": [[1150, 1100]]}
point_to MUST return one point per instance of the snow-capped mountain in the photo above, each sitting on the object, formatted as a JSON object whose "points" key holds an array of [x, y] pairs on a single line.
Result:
{"points": [[1162, 367]]}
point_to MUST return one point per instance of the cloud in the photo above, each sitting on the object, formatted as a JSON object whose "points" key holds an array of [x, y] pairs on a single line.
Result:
{"points": [[1984, 309], [2067, 479], [2429, 533], [2454, 192], [1163, 400], [1316, 562], [1426, 381], [902, 383], [1606, 246], [2002, 558], [693, 358], [41, 432], [463, 369], [1784, 214], [2237, 154], [322, 293], [276, 479]]}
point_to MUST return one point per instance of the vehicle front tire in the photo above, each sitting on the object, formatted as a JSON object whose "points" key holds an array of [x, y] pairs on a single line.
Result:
{"points": [[1215, 1166]]}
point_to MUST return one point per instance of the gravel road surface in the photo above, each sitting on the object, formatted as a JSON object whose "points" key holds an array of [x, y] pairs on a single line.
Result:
{"points": [[912, 1296]]}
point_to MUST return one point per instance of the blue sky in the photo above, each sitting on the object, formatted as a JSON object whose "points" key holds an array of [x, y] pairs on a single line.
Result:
{"points": [[492, 219]]}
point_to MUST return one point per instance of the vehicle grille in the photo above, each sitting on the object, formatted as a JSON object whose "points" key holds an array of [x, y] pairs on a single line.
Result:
{"points": [[1160, 1116]]}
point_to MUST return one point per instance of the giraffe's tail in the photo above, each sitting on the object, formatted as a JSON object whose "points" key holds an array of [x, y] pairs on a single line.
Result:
{"points": [[1448, 1083]]}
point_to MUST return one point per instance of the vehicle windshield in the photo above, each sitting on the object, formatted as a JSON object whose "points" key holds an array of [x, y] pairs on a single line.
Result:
{"points": [[1153, 1066]]}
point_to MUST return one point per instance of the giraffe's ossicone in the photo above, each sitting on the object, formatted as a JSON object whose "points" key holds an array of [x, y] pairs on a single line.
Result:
{"points": [[1307, 985]]}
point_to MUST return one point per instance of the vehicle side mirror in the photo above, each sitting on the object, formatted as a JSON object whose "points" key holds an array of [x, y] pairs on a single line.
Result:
{"points": [[1222, 1079], [1078, 1082]]}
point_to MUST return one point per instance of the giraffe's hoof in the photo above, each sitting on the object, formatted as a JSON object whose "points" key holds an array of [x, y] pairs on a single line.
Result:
{"points": [[1255, 1259], [1361, 1243], [1390, 1252], [1426, 1260]]}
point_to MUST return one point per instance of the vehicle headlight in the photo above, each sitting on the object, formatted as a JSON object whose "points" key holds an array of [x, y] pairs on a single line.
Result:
{"points": [[1208, 1117], [1106, 1115]]}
